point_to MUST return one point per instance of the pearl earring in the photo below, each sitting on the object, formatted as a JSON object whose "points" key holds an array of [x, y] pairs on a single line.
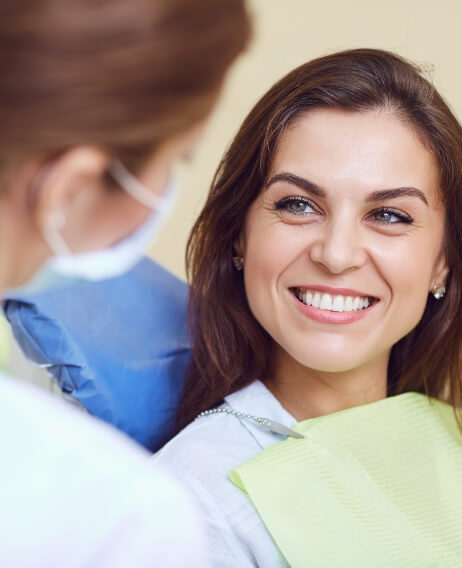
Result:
{"points": [[438, 292], [238, 262]]}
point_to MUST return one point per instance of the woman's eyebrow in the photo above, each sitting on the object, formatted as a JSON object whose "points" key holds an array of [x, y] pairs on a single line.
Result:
{"points": [[397, 192], [302, 183], [314, 189]]}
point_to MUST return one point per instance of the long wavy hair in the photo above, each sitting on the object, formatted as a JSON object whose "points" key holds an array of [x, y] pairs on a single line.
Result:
{"points": [[230, 348]]}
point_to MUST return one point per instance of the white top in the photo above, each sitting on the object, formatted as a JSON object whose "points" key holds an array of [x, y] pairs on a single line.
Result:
{"points": [[204, 453], [73, 493]]}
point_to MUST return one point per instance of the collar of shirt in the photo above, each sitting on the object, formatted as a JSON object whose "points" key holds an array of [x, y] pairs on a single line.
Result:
{"points": [[257, 400]]}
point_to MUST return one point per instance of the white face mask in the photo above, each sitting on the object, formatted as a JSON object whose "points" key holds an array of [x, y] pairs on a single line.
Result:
{"points": [[114, 260], [117, 259]]}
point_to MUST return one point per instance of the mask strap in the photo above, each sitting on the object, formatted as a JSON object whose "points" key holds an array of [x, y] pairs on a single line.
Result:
{"points": [[132, 186], [51, 233]]}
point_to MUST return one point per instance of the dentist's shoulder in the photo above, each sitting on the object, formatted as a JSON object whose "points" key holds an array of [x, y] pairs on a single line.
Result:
{"points": [[74, 494]]}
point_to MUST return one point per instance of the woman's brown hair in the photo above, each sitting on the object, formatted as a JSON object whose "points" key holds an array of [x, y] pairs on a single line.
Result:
{"points": [[122, 74], [230, 348]]}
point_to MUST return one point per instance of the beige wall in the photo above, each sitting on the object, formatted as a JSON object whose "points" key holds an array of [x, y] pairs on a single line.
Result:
{"points": [[290, 32]]}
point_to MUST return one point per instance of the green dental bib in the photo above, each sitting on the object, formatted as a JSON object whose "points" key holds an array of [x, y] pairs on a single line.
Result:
{"points": [[378, 485]]}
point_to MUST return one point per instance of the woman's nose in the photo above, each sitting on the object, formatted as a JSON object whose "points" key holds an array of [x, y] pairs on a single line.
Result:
{"points": [[339, 248]]}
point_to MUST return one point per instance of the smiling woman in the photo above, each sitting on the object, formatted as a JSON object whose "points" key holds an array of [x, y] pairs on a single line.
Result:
{"points": [[326, 276], [358, 221]]}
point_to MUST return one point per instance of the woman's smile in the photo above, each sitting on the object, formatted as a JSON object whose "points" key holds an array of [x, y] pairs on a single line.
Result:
{"points": [[328, 305]]}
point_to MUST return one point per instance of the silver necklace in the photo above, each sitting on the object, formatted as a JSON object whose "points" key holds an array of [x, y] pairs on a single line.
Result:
{"points": [[268, 424]]}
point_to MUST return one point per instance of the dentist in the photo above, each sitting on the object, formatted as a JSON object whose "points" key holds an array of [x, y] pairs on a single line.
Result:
{"points": [[98, 102]]}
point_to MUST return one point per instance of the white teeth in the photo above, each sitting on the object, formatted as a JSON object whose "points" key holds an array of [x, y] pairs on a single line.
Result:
{"points": [[316, 301], [326, 302], [338, 304], [334, 304]]}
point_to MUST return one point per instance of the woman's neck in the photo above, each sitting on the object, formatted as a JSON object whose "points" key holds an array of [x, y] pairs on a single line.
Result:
{"points": [[307, 393]]}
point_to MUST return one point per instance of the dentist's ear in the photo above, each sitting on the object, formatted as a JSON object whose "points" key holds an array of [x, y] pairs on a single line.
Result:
{"points": [[58, 190]]}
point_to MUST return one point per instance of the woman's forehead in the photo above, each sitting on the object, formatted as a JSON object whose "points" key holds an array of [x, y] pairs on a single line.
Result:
{"points": [[366, 150]]}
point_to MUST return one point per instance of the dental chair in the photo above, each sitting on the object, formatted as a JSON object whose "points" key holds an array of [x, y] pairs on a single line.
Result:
{"points": [[119, 348]]}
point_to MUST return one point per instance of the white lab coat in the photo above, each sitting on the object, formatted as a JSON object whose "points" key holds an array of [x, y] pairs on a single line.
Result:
{"points": [[73, 493]]}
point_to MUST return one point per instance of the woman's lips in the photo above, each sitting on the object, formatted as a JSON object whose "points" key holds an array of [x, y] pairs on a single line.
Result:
{"points": [[332, 308]]}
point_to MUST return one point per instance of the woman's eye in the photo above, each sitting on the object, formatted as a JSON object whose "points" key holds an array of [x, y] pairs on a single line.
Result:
{"points": [[296, 205], [390, 217]]}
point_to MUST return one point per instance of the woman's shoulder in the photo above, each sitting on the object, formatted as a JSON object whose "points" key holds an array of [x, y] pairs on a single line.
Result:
{"points": [[210, 445], [202, 456], [219, 442]]}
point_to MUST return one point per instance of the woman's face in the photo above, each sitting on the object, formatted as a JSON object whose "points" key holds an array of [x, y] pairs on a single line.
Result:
{"points": [[344, 243]]}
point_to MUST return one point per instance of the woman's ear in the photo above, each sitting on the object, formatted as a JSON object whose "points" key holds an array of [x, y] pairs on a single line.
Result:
{"points": [[440, 272], [239, 245], [238, 254]]}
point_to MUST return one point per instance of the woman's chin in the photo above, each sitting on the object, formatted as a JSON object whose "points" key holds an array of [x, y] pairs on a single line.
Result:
{"points": [[322, 360], [329, 366]]}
